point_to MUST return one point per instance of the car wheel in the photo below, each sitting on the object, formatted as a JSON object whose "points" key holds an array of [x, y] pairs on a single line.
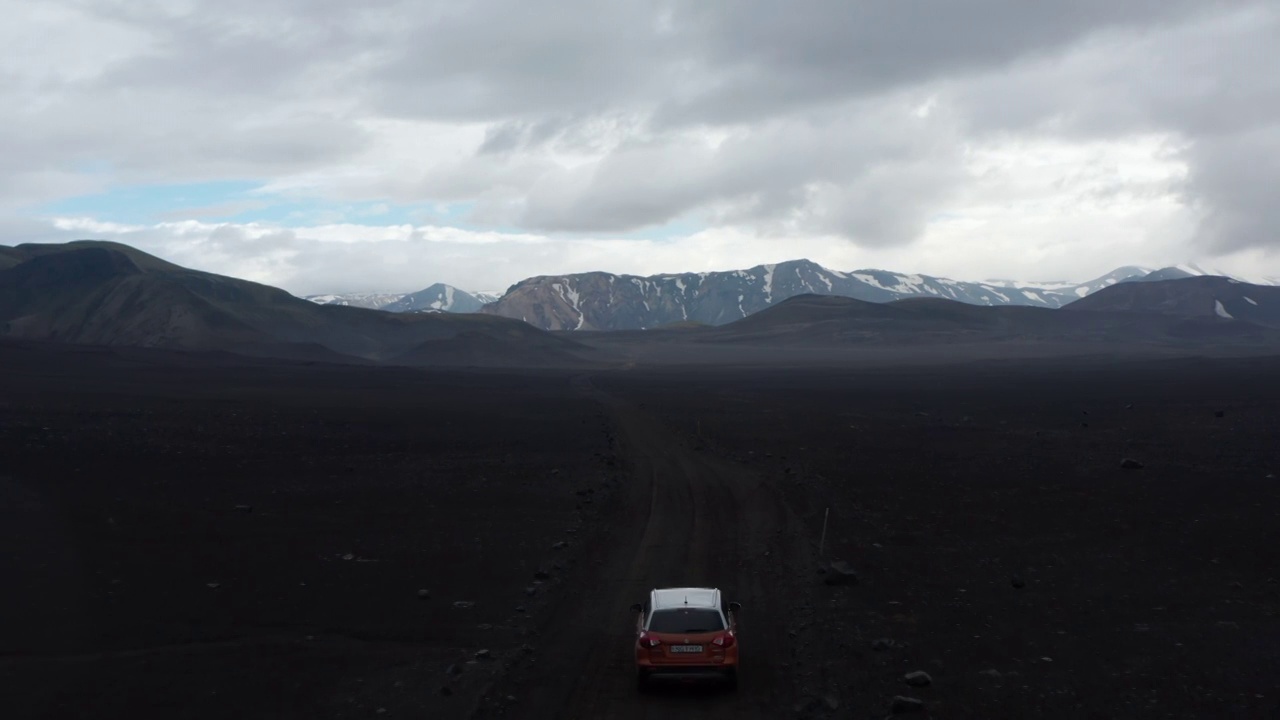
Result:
{"points": [[642, 681], [731, 679]]}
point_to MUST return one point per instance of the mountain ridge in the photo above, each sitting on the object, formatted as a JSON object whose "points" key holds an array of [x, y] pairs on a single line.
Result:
{"points": [[606, 301], [100, 293]]}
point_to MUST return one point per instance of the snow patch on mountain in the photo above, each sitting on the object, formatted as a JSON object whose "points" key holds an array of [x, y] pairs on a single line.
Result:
{"points": [[375, 301]]}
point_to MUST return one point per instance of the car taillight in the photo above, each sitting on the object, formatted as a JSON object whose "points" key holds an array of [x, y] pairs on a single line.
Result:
{"points": [[649, 641], [725, 640]]}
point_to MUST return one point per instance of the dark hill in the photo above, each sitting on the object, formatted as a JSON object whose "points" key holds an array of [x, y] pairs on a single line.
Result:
{"points": [[110, 294], [1204, 297], [830, 320]]}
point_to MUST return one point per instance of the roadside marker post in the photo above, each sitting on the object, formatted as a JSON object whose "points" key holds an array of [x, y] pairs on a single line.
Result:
{"points": [[822, 544]]}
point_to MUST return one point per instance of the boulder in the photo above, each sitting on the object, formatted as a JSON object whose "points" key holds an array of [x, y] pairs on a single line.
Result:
{"points": [[918, 678], [902, 705], [840, 573]]}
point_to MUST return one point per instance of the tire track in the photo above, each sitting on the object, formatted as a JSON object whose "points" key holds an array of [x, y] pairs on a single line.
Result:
{"points": [[687, 518]]}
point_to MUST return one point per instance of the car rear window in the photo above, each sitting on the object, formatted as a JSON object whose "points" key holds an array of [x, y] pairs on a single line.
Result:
{"points": [[686, 620]]}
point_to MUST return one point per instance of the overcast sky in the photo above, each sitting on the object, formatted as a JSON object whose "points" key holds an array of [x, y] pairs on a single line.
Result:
{"points": [[337, 146]]}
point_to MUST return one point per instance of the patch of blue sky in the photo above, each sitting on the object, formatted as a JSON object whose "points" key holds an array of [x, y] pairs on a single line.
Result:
{"points": [[237, 201], [145, 204], [678, 228], [243, 201]]}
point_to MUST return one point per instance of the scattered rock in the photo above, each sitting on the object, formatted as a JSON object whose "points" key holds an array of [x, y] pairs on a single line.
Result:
{"points": [[805, 707], [454, 669], [841, 573], [531, 591], [483, 654], [1018, 582], [1130, 464], [520, 608], [882, 644], [445, 690], [213, 585], [832, 702], [560, 545], [526, 649], [423, 594], [484, 626], [380, 711], [542, 575], [991, 673], [902, 705], [463, 604], [918, 678], [349, 556], [244, 508], [1218, 413]]}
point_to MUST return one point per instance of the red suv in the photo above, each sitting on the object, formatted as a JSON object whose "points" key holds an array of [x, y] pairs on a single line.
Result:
{"points": [[686, 633]]}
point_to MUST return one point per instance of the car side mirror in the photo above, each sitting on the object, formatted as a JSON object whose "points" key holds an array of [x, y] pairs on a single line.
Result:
{"points": [[637, 608], [735, 607]]}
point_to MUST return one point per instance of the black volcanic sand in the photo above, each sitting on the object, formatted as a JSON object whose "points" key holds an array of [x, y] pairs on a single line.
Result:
{"points": [[203, 536]]}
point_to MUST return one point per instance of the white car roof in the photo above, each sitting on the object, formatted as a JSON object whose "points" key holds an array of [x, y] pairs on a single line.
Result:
{"points": [[685, 597]]}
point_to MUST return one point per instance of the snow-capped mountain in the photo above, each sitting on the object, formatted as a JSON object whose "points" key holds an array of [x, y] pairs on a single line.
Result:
{"points": [[437, 298], [376, 301], [603, 301], [1065, 292], [1186, 270]]}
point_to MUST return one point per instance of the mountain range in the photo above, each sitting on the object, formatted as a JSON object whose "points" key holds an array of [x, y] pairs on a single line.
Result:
{"points": [[1186, 313], [107, 294], [605, 301]]}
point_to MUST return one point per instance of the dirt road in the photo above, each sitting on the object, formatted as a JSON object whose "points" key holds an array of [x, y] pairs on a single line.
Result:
{"points": [[687, 518]]}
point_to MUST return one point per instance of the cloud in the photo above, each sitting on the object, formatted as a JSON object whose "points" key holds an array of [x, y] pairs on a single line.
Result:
{"points": [[874, 129]]}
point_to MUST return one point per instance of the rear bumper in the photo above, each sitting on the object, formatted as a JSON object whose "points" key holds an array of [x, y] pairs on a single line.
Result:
{"points": [[688, 672]]}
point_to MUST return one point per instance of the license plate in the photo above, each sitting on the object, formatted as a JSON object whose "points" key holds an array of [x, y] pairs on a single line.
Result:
{"points": [[686, 648]]}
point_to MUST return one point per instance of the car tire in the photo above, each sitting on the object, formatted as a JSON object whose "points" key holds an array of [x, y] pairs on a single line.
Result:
{"points": [[731, 679], [642, 681]]}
